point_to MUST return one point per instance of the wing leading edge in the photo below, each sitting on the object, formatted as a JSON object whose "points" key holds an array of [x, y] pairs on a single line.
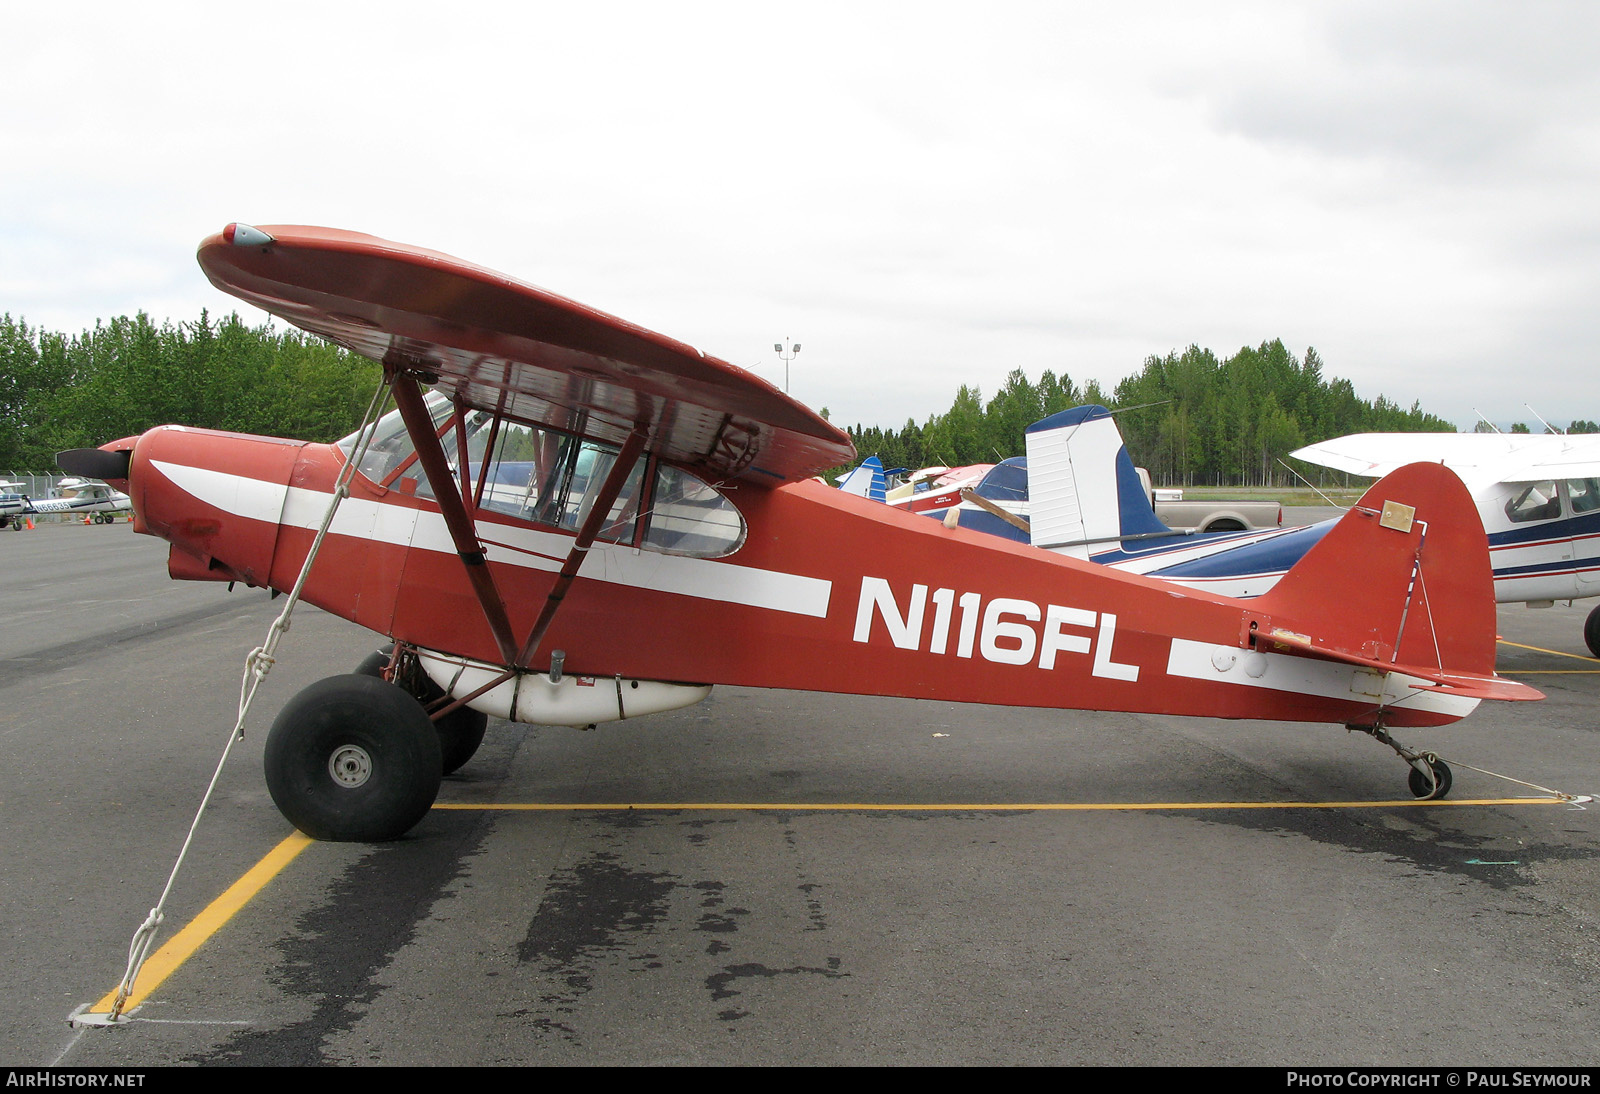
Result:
{"points": [[495, 343], [1481, 459]]}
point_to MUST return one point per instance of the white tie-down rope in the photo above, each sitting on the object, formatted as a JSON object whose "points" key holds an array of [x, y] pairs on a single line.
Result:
{"points": [[256, 666]]}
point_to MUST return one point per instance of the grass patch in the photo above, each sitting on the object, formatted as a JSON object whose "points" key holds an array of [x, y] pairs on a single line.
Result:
{"points": [[1286, 495]]}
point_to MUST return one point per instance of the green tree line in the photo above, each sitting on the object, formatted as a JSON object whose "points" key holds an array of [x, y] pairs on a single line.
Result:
{"points": [[127, 375], [1189, 417]]}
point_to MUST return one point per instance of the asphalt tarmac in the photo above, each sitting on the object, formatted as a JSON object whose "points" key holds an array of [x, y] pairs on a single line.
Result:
{"points": [[947, 913]]}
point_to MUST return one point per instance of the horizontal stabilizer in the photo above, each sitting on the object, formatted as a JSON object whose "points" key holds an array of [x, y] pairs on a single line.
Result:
{"points": [[1466, 685]]}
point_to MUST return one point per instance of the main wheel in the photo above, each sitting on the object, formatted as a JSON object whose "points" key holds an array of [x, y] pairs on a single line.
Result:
{"points": [[1418, 782], [1591, 632], [460, 732], [353, 759], [373, 663]]}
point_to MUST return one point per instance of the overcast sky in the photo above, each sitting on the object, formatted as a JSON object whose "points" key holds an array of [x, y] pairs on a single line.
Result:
{"points": [[921, 194]]}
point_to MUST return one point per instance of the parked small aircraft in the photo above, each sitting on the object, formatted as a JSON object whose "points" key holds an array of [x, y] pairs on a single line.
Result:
{"points": [[76, 497], [1077, 492], [935, 488], [1537, 494], [586, 521], [12, 504], [866, 480]]}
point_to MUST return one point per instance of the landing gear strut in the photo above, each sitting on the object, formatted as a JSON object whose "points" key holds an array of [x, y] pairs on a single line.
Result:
{"points": [[460, 732], [1429, 778]]}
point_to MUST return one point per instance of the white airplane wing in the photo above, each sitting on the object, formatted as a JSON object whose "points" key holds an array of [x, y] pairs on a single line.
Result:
{"points": [[1478, 458]]}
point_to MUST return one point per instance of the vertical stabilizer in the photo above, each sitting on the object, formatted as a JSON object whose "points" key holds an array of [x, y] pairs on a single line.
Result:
{"points": [[866, 480], [1402, 578], [1082, 483]]}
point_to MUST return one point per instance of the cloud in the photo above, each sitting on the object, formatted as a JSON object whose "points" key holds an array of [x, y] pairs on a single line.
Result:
{"points": [[922, 197]]}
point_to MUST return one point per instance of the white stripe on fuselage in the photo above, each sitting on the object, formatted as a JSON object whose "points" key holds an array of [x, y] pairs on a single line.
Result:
{"points": [[532, 548], [1308, 676]]}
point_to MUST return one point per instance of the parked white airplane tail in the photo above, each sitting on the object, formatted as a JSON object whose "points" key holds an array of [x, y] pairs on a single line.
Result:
{"points": [[866, 480], [1085, 491]]}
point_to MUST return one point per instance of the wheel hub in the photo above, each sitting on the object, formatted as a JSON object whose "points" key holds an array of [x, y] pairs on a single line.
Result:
{"points": [[350, 766]]}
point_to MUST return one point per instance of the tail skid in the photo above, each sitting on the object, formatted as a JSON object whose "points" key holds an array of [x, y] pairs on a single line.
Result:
{"points": [[1401, 585]]}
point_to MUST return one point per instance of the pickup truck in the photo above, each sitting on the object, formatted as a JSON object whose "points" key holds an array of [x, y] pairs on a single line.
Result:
{"points": [[1210, 516]]}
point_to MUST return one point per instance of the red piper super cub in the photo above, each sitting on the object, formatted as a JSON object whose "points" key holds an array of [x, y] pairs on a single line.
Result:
{"points": [[570, 520]]}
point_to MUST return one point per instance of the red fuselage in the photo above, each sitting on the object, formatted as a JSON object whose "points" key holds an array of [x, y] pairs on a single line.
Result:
{"points": [[827, 592]]}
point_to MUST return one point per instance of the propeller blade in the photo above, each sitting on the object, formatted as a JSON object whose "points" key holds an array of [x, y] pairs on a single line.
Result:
{"points": [[94, 463]]}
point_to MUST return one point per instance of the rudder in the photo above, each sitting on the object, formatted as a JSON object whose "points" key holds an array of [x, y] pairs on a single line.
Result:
{"points": [[1404, 578]]}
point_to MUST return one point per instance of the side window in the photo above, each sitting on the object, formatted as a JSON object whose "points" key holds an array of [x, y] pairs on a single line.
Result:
{"points": [[553, 478], [1536, 501], [687, 517], [1584, 494], [547, 477]]}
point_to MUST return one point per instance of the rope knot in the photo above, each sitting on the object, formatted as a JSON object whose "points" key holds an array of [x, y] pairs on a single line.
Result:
{"points": [[260, 662]]}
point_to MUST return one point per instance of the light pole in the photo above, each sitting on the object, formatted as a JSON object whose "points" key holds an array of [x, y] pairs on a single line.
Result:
{"points": [[786, 355]]}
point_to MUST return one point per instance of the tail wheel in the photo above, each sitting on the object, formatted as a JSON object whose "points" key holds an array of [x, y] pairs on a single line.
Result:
{"points": [[353, 759], [1429, 789], [460, 732]]}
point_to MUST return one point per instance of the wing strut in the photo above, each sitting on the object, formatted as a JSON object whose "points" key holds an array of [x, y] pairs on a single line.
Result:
{"points": [[447, 492], [592, 523]]}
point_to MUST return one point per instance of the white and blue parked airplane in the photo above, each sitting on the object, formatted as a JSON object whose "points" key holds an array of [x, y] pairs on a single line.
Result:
{"points": [[78, 497], [866, 480], [1537, 494], [1079, 493]]}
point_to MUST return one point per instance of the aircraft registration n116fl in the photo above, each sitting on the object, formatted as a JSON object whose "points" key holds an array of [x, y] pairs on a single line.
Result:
{"points": [[585, 521]]}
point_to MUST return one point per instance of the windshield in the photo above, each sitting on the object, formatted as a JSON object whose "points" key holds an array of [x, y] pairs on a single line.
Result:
{"points": [[391, 446]]}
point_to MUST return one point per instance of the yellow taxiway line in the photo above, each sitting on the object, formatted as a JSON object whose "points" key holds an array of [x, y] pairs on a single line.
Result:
{"points": [[1553, 653], [182, 945], [962, 807], [165, 961]]}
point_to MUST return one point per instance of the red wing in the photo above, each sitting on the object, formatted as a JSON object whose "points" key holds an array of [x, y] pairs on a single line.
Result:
{"points": [[496, 343]]}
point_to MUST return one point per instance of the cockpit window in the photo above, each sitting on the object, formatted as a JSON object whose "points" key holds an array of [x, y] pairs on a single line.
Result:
{"points": [[1536, 501], [687, 517], [551, 478], [1584, 494], [546, 477]]}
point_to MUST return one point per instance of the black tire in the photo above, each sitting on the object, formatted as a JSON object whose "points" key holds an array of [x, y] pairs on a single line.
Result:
{"points": [[374, 663], [353, 759], [460, 732], [1591, 632], [1418, 782]]}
